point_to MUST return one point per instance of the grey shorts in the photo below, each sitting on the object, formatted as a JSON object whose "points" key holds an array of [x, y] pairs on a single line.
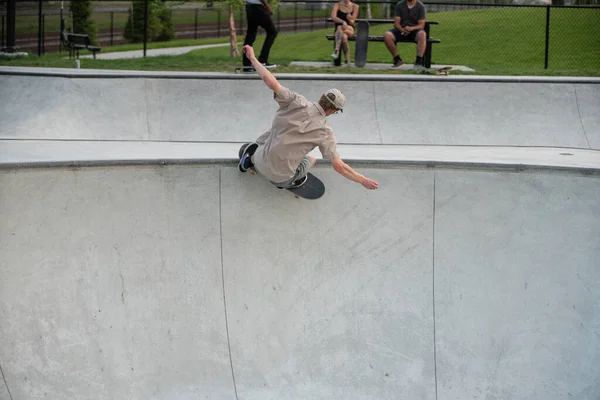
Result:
{"points": [[302, 169]]}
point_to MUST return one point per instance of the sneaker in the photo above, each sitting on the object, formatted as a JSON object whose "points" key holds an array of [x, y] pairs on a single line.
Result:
{"points": [[335, 54], [398, 63], [299, 182], [419, 67], [268, 65], [248, 69], [245, 163], [246, 159]]}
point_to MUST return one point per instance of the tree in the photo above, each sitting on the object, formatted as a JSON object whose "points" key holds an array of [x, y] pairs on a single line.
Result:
{"points": [[160, 25], [233, 5], [82, 22]]}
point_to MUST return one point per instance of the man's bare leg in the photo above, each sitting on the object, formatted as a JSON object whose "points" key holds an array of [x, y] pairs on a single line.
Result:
{"points": [[390, 43], [421, 43]]}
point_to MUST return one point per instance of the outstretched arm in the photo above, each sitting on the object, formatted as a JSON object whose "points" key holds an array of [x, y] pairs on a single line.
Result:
{"points": [[264, 73], [346, 171]]}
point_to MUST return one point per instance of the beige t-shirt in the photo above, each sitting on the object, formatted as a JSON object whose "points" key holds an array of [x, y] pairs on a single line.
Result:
{"points": [[298, 127]]}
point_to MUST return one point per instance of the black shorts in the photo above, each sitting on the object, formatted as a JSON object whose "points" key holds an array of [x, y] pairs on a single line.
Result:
{"points": [[399, 37]]}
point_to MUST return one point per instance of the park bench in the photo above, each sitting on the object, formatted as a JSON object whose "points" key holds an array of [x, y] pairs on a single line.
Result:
{"points": [[428, 49], [75, 42]]}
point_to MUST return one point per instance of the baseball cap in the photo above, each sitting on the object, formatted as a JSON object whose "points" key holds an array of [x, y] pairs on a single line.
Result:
{"points": [[339, 100]]}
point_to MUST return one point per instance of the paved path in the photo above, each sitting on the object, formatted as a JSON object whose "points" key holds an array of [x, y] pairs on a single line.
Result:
{"points": [[169, 51], [137, 262]]}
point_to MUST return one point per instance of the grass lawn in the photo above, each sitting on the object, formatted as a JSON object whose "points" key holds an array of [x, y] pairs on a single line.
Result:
{"points": [[500, 41]]}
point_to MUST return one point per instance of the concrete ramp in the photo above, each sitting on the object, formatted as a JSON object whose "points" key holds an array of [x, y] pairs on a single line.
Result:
{"points": [[136, 262], [194, 109], [198, 282]]}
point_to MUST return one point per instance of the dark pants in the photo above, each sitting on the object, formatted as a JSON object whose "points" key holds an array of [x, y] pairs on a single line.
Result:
{"points": [[258, 16]]}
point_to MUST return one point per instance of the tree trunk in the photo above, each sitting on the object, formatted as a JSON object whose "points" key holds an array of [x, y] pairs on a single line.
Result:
{"points": [[232, 35]]}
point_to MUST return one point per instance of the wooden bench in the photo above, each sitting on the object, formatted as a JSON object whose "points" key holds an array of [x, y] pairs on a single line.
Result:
{"points": [[428, 49], [75, 42]]}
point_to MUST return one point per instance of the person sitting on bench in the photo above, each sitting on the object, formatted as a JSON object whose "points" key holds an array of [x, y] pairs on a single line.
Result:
{"points": [[343, 14], [409, 25]]}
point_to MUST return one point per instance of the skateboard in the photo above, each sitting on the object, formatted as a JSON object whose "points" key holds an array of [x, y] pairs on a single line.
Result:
{"points": [[362, 43], [240, 68], [438, 71], [312, 189]]}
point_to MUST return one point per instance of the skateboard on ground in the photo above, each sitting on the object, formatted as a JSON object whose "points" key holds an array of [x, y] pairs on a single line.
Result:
{"points": [[438, 71], [362, 43], [240, 68], [312, 189]]}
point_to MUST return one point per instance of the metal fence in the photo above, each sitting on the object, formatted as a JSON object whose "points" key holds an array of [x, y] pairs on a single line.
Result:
{"points": [[471, 32]]}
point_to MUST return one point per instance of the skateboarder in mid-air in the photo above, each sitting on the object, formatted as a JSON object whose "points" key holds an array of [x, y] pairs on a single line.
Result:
{"points": [[281, 153]]}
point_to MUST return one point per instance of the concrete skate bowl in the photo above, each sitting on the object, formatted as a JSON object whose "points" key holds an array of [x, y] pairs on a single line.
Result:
{"points": [[187, 280], [154, 107]]}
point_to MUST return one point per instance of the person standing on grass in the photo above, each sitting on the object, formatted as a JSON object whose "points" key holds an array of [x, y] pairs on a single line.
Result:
{"points": [[281, 153], [409, 26], [258, 13]]}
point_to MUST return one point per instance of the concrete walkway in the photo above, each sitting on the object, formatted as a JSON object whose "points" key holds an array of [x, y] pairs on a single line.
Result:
{"points": [[169, 51]]}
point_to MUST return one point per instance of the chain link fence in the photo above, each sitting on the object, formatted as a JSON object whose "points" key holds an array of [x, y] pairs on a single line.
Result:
{"points": [[477, 33]]}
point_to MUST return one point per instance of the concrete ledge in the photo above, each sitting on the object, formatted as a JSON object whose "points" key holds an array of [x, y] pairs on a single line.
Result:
{"points": [[42, 153], [13, 55], [113, 74], [375, 66]]}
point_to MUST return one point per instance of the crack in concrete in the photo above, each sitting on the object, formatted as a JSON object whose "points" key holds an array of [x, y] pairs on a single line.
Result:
{"points": [[5, 383], [580, 118]]}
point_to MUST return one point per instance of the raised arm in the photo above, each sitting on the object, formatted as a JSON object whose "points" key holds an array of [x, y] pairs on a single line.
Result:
{"points": [[264, 73], [347, 172]]}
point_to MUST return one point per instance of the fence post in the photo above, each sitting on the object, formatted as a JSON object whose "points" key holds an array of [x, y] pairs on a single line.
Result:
{"points": [[196, 25], [62, 29], [2, 35], [219, 24], [547, 37], [112, 27], [44, 34], [132, 22], [11, 15], [39, 28], [145, 26]]}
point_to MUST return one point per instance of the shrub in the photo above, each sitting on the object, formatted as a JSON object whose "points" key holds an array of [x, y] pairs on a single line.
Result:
{"points": [[82, 21], [160, 25]]}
